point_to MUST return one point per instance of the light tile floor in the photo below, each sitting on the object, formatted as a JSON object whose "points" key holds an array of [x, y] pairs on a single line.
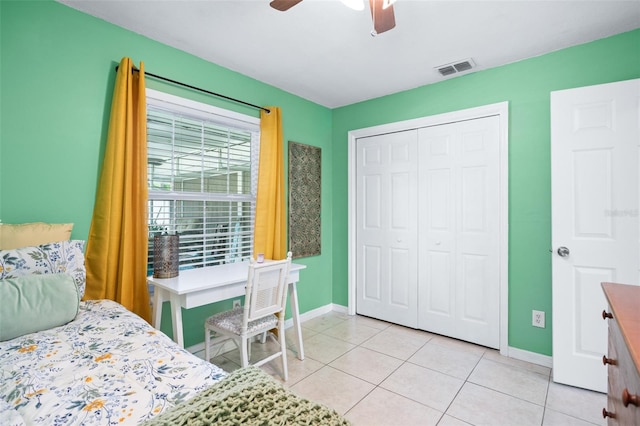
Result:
{"points": [[376, 373]]}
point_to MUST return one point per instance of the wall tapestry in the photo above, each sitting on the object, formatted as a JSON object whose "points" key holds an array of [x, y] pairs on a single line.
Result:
{"points": [[305, 165]]}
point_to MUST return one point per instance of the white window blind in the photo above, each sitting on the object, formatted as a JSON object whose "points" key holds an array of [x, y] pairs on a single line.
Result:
{"points": [[202, 173]]}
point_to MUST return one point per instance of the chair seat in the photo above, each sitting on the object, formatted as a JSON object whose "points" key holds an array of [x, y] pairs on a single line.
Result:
{"points": [[232, 321]]}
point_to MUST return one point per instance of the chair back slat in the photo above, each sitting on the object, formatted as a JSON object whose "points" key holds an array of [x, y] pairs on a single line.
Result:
{"points": [[266, 288]]}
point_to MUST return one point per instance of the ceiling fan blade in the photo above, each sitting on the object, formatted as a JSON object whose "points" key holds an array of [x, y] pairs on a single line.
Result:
{"points": [[283, 5], [383, 18]]}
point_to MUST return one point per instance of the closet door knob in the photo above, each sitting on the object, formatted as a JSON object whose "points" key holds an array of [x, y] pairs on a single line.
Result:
{"points": [[606, 315], [609, 361], [629, 398]]}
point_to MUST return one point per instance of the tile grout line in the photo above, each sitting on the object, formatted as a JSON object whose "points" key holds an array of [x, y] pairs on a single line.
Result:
{"points": [[486, 354], [460, 389]]}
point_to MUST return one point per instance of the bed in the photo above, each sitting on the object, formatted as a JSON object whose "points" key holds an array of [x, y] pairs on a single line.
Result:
{"points": [[96, 363]]}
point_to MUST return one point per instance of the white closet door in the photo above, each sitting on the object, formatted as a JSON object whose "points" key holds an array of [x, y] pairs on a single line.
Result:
{"points": [[386, 232], [459, 230]]}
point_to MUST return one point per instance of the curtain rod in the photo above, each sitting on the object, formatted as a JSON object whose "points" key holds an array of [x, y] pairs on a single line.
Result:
{"points": [[201, 90]]}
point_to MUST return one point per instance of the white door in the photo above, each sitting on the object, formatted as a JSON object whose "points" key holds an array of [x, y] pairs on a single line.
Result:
{"points": [[594, 169], [386, 252], [459, 230]]}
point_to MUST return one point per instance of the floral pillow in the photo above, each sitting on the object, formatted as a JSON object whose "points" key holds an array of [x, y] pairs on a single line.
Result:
{"points": [[64, 257]]}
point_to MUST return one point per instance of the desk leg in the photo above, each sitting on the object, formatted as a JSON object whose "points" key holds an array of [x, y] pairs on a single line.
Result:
{"points": [[295, 312], [159, 297], [176, 319]]}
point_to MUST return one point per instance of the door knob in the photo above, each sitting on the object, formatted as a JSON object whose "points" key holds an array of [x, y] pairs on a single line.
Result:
{"points": [[563, 251], [606, 414]]}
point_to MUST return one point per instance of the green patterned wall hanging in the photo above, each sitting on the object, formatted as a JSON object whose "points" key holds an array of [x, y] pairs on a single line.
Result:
{"points": [[305, 166]]}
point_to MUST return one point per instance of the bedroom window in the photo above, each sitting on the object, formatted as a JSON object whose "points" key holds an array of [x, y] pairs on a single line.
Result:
{"points": [[202, 165]]}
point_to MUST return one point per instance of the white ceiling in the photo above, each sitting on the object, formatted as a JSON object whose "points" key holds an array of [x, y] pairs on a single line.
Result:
{"points": [[324, 52]]}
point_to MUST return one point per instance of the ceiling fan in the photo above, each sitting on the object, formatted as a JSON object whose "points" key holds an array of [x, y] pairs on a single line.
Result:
{"points": [[381, 11]]}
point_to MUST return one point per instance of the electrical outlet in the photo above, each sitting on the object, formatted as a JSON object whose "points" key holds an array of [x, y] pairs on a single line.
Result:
{"points": [[537, 319], [236, 303]]}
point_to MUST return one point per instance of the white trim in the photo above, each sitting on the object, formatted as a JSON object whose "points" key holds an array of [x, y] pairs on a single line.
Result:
{"points": [[341, 309], [310, 314], [202, 110], [510, 352], [532, 357], [501, 110]]}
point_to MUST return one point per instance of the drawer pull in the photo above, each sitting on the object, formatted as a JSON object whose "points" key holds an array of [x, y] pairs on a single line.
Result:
{"points": [[606, 414], [629, 398], [606, 315], [609, 361]]}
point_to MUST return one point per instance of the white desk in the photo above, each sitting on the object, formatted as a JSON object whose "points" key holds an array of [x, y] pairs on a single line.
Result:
{"points": [[202, 286]]}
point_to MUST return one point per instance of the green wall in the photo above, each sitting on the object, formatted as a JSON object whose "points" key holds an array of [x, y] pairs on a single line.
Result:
{"points": [[527, 86], [56, 75], [56, 80]]}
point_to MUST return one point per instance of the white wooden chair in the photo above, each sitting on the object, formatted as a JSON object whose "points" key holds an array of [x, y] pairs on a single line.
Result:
{"points": [[264, 308]]}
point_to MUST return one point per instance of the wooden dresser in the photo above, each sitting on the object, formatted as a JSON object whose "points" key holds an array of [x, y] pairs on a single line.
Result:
{"points": [[623, 359]]}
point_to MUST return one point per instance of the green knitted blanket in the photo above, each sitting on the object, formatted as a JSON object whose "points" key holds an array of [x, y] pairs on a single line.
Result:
{"points": [[248, 396]]}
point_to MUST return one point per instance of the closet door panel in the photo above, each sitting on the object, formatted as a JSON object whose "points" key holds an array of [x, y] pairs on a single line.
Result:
{"points": [[440, 302], [437, 222], [372, 262], [387, 225], [438, 226], [371, 200], [473, 209], [400, 288], [468, 153], [473, 298]]}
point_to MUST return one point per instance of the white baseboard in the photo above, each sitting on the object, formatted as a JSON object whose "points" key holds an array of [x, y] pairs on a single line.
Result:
{"points": [[520, 354], [331, 307], [339, 308], [532, 357]]}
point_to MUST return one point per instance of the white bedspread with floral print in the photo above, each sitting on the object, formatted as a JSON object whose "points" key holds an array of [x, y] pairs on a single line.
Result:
{"points": [[106, 367]]}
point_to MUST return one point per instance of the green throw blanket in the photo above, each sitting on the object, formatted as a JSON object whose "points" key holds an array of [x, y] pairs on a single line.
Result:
{"points": [[248, 396]]}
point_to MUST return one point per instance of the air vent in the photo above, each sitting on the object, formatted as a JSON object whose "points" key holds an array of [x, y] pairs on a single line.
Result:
{"points": [[448, 70], [456, 67], [463, 66]]}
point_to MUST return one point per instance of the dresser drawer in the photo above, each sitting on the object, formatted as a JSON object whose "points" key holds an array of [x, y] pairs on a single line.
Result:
{"points": [[622, 374], [621, 360]]}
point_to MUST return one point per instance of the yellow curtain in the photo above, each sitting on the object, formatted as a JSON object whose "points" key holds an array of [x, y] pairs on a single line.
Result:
{"points": [[270, 225], [116, 257]]}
